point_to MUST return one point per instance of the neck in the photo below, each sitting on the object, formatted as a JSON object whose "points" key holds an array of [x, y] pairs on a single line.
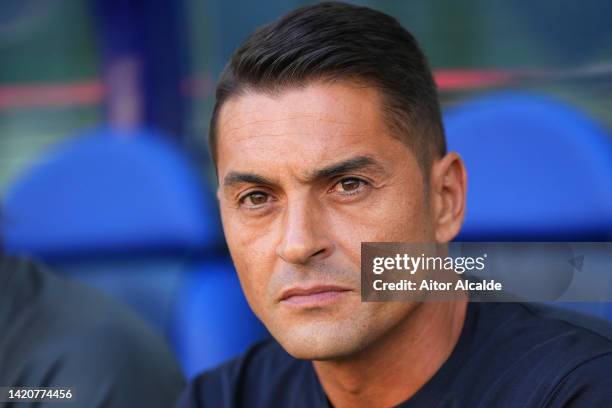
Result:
{"points": [[396, 366]]}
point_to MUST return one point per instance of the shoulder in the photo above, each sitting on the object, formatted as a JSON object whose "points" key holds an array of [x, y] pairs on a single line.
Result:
{"points": [[563, 332], [61, 333], [264, 375], [541, 353], [588, 384], [56, 308]]}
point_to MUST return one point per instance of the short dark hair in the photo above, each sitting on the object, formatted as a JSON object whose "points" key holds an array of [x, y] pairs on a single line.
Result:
{"points": [[331, 41]]}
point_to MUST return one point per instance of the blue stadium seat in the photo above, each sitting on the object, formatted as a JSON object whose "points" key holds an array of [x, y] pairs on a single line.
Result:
{"points": [[213, 321], [108, 191], [122, 211], [538, 170]]}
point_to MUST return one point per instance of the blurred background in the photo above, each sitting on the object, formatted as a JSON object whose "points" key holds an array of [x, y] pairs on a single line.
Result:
{"points": [[104, 108]]}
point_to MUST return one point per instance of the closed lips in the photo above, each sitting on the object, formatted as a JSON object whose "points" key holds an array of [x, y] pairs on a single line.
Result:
{"points": [[311, 291]]}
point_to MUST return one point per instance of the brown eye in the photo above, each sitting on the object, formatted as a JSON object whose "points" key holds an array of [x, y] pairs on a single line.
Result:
{"points": [[256, 199], [349, 186]]}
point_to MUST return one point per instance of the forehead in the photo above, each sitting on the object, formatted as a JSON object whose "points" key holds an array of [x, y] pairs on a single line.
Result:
{"points": [[301, 127]]}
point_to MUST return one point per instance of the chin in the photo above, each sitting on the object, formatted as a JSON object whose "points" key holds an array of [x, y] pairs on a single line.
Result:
{"points": [[321, 340]]}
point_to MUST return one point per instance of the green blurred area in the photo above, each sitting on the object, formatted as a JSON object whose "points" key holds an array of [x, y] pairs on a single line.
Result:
{"points": [[54, 41], [43, 42]]}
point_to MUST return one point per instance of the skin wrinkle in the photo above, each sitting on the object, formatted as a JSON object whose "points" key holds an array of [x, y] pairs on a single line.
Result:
{"points": [[308, 231], [301, 116]]}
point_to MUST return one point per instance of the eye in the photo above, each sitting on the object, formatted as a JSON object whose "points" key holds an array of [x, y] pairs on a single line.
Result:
{"points": [[254, 199], [349, 186]]}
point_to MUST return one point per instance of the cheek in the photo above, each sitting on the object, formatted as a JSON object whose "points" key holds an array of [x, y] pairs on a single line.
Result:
{"points": [[252, 251], [391, 215]]}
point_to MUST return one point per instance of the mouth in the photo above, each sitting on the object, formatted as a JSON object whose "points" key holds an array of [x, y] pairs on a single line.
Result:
{"points": [[314, 296]]}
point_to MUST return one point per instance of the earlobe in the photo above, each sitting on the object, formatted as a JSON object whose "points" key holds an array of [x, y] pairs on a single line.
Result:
{"points": [[449, 185]]}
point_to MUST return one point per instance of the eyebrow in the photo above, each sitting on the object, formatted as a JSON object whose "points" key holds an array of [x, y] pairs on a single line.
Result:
{"points": [[235, 177], [346, 166]]}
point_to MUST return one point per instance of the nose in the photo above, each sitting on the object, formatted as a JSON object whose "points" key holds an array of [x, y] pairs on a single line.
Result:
{"points": [[304, 239]]}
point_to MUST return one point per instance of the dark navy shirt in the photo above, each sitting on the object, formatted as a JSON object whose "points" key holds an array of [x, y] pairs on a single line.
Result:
{"points": [[508, 355]]}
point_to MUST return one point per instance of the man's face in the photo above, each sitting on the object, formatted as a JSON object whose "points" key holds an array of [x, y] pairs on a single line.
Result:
{"points": [[305, 176]]}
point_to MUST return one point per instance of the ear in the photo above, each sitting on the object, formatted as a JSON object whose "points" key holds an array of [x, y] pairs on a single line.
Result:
{"points": [[448, 186]]}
